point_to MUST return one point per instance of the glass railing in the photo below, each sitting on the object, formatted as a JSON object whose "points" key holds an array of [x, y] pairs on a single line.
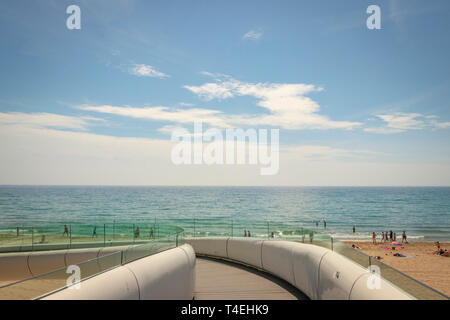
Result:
{"points": [[110, 234], [47, 283], [71, 236]]}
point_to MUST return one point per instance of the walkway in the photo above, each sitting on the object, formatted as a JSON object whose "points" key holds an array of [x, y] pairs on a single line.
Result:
{"points": [[224, 280]]}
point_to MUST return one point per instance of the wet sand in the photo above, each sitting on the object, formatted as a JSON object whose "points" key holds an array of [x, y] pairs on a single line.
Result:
{"points": [[431, 269]]}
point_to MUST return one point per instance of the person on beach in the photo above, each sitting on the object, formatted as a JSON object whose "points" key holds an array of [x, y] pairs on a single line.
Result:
{"points": [[395, 236], [382, 237], [245, 233], [324, 223], [151, 233], [438, 245], [311, 237], [374, 238], [136, 233], [391, 235], [66, 230], [404, 237], [248, 233], [271, 235], [317, 223], [354, 229], [94, 232]]}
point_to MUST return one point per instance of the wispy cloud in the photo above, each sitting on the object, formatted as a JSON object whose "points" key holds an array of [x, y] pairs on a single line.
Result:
{"points": [[143, 70], [160, 113], [46, 120], [400, 122], [287, 104], [321, 152], [252, 35], [442, 125]]}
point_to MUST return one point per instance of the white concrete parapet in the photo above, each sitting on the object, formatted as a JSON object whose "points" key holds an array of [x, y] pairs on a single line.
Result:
{"points": [[318, 272], [166, 275]]}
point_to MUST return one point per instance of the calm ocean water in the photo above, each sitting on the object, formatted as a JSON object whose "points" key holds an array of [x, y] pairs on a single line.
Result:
{"points": [[424, 212]]}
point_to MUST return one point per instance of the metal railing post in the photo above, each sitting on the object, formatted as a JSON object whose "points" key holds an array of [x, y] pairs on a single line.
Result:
{"points": [[70, 236], [232, 228]]}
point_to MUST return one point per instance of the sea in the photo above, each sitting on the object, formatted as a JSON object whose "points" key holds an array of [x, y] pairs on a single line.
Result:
{"points": [[423, 212]]}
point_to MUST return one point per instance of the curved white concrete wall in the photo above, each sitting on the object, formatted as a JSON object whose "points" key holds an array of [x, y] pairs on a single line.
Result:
{"points": [[246, 250], [213, 247], [318, 272], [166, 275], [14, 266], [306, 261], [116, 284], [337, 276], [23, 265]]}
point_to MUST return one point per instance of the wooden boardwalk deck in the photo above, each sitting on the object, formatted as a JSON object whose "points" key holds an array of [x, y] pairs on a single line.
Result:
{"points": [[224, 280]]}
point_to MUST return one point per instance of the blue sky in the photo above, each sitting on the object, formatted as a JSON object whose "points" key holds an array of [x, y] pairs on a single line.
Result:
{"points": [[354, 107]]}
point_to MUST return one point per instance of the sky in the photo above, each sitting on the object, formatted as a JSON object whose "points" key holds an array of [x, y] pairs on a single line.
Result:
{"points": [[97, 105]]}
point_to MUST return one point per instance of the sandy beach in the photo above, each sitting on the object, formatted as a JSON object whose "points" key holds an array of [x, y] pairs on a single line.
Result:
{"points": [[423, 265]]}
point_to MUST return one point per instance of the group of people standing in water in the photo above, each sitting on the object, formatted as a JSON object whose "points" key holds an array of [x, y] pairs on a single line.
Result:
{"points": [[324, 223], [388, 236]]}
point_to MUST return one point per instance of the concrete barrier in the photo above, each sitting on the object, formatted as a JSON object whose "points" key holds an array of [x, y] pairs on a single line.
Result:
{"points": [[116, 284], [246, 250], [337, 276], [318, 272], [166, 275], [216, 247], [277, 259], [385, 291], [305, 263], [42, 262], [23, 265], [14, 267]]}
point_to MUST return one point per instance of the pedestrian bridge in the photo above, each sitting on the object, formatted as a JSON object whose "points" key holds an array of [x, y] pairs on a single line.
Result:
{"points": [[203, 268]]}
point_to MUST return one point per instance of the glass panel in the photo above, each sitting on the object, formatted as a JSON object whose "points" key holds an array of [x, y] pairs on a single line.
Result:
{"points": [[139, 244]]}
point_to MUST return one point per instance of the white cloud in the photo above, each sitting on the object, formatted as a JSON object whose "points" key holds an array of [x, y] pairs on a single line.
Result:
{"points": [[320, 152], [253, 35], [398, 122], [287, 104], [441, 125], [186, 104], [144, 70], [383, 130], [161, 113], [46, 120]]}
